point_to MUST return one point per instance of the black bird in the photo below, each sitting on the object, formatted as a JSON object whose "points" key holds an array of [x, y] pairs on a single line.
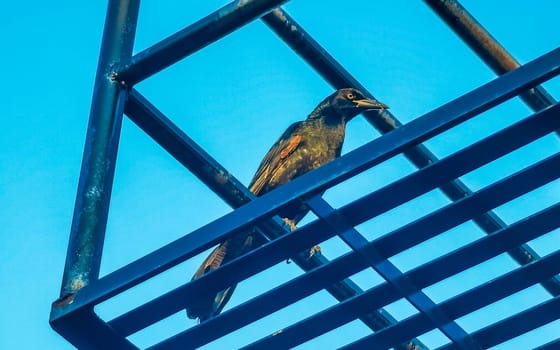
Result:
{"points": [[304, 146]]}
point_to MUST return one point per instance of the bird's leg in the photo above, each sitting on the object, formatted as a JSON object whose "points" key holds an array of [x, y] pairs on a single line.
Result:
{"points": [[315, 250], [292, 226]]}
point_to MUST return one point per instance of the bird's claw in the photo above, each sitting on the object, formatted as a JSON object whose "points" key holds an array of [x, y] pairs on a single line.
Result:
{"points": [[290, 223], [316, 250]]}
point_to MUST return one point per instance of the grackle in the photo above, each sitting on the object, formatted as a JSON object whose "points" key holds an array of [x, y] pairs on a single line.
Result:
{"points": [[304, 146]]}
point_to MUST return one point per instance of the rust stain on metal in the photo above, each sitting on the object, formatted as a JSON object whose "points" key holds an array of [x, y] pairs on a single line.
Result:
{"points": [[64, 300], [484, 39]]}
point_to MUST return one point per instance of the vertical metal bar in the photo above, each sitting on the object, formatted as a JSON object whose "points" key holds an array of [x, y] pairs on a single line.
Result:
{"points": [[98, 164], [486, 47]]}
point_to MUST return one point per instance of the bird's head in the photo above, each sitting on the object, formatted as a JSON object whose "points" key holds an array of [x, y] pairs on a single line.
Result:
{"points": [[345, 104]]}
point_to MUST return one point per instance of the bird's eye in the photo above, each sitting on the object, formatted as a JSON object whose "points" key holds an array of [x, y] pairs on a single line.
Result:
{"points": [[350, 96]]}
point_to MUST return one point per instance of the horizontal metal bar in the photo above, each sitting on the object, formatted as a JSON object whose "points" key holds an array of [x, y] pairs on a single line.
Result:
{"points": [[485, 248], [193, 38], [486, 47], [392, 274], [271, 301], [456, 165], [445, 266], [255, 261], [223, 183], [334, 73], [467, 302], [499, 193], [421, 276], [496, 194], [250, 311], [333, 173]]}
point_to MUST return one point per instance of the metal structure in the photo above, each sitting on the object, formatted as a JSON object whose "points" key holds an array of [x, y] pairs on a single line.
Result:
{"points": [[73, 313]]}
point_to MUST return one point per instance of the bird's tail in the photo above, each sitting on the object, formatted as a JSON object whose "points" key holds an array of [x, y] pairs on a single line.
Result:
{"points": [[211, 305]]}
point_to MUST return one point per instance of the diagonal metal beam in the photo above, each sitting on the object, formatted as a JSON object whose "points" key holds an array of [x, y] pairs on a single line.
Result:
{"points": [[486, 47], [392, 274]]}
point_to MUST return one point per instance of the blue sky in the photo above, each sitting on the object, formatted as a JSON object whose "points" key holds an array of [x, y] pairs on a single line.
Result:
{"points": [[234, 98]]}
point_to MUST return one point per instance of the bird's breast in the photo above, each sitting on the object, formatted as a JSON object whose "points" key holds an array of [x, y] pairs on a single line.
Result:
{"points": [[319, 148]]}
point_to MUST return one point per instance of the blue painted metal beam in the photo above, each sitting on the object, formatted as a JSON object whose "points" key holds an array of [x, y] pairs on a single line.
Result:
{"points": [[486, 248], [100, 150], [252, 310], [94, 189], [460, 211]]}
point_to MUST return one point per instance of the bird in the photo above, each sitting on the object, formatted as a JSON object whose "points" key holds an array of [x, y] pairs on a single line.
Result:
{"points": [[304, 146]]}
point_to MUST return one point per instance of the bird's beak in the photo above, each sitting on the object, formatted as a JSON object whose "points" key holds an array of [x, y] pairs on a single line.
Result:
{"points": [[370, 104]]}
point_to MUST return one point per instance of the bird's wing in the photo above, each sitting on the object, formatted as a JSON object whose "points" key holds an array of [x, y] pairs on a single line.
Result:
{"points": [[285, 146]]}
